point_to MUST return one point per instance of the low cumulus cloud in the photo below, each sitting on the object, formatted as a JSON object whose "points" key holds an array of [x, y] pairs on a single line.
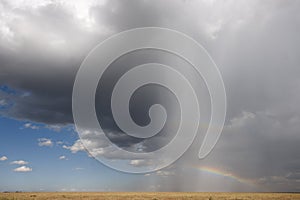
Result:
{"points": [[19, 162], [45, 142], [3, 158], [77, 146], [31, 126], [23, 169], [62, 158]]}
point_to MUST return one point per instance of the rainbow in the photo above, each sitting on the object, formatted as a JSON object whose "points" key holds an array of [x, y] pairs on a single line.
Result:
{"points": [[223, 173]]}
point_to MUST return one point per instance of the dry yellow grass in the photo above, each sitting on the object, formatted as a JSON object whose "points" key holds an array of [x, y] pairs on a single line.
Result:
{"points": [[149, 196]]}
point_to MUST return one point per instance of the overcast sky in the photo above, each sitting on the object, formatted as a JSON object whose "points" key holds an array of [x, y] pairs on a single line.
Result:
{"points": [[255, 44]]}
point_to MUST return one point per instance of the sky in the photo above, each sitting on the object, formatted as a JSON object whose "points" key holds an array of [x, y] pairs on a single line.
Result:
{"points": [[255, 45]]}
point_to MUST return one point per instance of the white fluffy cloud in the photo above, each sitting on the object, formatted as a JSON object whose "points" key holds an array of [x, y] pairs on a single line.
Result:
{"points": [[3, 158], [56, 128], [62, 158], [19, 162], [31, 126], [139, 163], [45, 142], [77, 146], [23, 169]]}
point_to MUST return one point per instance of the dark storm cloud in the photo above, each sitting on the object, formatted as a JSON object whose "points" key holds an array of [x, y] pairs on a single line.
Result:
{"points": [[41, 58], [47, 44], [255, 44]]}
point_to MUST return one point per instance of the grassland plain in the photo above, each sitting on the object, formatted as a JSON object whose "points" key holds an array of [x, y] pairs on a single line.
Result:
{"points": [[148, 196]]}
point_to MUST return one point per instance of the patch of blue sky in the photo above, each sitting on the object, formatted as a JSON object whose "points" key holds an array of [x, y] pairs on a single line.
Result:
{"points": [[49, 173], [7, 89]]}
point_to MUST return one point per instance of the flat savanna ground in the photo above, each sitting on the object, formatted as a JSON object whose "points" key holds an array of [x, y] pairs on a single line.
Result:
{"points": [[149, 196]]}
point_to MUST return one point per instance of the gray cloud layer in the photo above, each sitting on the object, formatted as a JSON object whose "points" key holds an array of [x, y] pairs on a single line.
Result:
{"points": [[254, 43]]}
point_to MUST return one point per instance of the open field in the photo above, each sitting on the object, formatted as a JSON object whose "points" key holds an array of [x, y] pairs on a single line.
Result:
{"points": [[149, 196]]}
